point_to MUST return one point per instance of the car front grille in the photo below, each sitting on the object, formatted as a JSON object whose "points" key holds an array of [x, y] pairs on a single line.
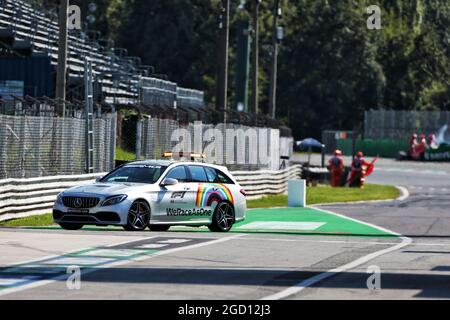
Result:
{"points": [[80, 202]]}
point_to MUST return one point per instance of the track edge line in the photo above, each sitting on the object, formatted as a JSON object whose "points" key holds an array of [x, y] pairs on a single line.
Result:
{"points": [[330, 273]]}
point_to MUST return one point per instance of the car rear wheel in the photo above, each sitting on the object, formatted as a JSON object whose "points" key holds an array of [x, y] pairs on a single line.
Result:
{"points": [[138, 216], [158, 227], [71, 226], [223, 218]]}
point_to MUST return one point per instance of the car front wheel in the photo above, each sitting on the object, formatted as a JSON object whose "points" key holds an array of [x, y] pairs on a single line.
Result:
{"points": [[138, 216], [223, 218]]}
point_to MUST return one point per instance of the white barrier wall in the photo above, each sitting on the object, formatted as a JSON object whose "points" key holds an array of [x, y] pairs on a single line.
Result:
{"points": [[26, 197], [266, 182]]}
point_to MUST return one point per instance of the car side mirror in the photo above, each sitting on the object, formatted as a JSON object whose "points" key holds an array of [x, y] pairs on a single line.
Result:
{"points": [[98, 179], [169, 182]]}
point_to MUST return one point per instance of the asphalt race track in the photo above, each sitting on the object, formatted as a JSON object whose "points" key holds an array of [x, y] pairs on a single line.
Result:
{"points": [[251, 265]]}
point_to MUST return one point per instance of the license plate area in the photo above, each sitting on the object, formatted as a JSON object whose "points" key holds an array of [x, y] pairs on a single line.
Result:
{"points": [[78, 211]]}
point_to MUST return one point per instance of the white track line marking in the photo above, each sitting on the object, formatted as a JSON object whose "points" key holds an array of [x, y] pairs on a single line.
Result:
{"points": [[72, 251], [281, 225], [193, 246], [174, 241], [322, 276], [418, 244], [153, 246], [43, 282], [323, 241], [405, 193], [115, 264], [111, 253]]}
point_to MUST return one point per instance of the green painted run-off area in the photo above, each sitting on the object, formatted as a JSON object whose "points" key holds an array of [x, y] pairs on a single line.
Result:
{"points": [[292, 221], [333, 224]]}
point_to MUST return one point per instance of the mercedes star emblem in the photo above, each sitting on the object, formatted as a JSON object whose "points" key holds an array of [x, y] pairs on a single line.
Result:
{"points": [[78, 202]]}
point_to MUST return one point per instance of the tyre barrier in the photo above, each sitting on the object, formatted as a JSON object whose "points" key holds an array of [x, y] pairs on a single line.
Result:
{"points": [[21, 198]]}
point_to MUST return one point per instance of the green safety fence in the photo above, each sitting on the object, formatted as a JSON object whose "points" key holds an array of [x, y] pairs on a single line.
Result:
{"points": [[373, 148]]}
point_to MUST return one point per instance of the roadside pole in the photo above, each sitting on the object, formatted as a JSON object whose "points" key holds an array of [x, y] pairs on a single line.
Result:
{"points": [[242, 65], [222, 83], [276, 37], [62, 56], [112, 149], [139, 137], [255, 59], [89, 113]]}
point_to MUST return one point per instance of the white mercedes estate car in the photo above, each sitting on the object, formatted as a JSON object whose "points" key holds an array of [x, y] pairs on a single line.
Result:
{"points": [[156, 194]]}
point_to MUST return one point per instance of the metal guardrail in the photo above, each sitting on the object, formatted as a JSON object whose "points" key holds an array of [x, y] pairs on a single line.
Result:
{"points": [[26, 197]]}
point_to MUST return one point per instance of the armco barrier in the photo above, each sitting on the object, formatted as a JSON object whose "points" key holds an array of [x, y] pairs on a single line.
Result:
{"points": [[26, 197]]}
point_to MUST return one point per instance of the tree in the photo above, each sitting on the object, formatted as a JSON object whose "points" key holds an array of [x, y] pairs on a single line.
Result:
{"points": [[329, 73], [178, 37], [331, 67]]}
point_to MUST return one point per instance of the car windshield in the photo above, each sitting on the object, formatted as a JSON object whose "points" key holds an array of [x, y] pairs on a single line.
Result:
{"points": [[136, 174]]}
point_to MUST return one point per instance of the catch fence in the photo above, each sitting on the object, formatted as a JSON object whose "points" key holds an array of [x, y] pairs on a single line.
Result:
{"points": [[399, 124], [237, 146], [33, 146]]}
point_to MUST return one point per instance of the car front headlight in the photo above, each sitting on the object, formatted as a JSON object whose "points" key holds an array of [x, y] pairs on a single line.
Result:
{"points": [[59, 199], [110, 201]]}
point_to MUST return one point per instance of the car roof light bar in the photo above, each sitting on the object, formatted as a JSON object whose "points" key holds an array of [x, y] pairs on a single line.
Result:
{"points": [[191, 155]]}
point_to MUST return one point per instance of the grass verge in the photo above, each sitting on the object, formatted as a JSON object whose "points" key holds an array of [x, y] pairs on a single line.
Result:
{"points": [[314, 195], [33, 221], [326, 194]]}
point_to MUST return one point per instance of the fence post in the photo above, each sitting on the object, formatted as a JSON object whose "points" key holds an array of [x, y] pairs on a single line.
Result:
{"points": [[139, 137], [70, 153], [22, 145], [37, 148], [63, 127], [112, 140], [3, 148], [89, 112]]}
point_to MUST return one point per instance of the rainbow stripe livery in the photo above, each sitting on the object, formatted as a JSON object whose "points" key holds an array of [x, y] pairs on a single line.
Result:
{"points": [[213, 192]]}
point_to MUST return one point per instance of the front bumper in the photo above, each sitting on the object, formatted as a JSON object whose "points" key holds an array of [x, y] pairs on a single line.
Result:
{"points": [[98, 215]]}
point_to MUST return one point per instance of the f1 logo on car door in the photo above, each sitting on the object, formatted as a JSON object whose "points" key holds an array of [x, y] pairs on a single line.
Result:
{"points": [[177, 201]]}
